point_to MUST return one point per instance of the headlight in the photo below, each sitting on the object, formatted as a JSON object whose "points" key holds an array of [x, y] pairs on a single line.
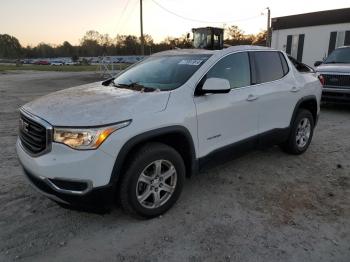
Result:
{"points": [[86, 138]]}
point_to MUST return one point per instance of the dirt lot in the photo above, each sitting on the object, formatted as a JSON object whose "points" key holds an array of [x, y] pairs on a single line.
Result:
{"points": [[265, 206]]}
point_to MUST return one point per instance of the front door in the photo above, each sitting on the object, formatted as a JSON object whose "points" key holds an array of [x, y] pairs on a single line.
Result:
{"points": [[224, 119]]}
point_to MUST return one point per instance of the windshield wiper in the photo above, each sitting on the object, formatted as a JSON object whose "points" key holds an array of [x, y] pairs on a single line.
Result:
{"points": [[336, 62], [108, 82], [138, 87]]}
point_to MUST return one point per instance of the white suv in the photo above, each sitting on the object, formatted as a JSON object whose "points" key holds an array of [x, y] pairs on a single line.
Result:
{"points": [[137, 136]]}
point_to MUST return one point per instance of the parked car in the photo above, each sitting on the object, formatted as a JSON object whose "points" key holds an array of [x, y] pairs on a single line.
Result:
{"points": [[57, 63], [41, 62], [72, 63], [335, 70], [27, 61], [139, 135]]}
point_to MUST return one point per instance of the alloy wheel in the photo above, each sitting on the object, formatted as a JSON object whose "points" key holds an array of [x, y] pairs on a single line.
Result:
{"points": [[156, 184], [303, 132]]}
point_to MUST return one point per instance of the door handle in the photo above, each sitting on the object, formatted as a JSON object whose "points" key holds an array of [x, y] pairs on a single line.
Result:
{"points": [[295, 89], [251, 97]]}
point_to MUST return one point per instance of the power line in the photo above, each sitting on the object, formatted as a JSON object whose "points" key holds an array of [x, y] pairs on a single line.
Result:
{"points": [[203, 21], [122, 14]]}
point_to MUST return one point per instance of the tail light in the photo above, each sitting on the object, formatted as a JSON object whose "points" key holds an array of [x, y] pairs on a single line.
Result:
{"points": [[322, 80]]}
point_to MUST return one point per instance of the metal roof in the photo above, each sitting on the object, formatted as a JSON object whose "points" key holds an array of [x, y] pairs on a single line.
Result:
{"points": [[328, 17]]}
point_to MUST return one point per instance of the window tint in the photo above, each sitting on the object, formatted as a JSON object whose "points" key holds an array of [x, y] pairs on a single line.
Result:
{"points": [[268, 66], [235, 68]]}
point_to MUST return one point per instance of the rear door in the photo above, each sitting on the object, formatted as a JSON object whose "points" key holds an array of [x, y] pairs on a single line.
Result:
{"points": [[276, 89], [224, 119]]}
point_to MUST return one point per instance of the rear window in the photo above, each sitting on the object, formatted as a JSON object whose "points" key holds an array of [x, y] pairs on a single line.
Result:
{"points": [[268, 66]]}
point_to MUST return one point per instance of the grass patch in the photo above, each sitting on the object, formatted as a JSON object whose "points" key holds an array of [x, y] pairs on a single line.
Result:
{"points": [[64, 68]]}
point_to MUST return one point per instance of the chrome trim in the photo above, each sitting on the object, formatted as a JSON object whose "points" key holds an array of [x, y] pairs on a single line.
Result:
{"points": [[53, 197], [336, 90], [333, 73], [49, 132], [65, 191]]}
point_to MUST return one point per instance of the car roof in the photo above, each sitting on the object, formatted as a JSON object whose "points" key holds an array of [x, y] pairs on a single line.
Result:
{"points": [[230, 49]]}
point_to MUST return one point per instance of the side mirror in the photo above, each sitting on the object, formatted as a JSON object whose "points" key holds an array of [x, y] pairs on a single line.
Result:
{"points": [[317, 63], [216, 86]]}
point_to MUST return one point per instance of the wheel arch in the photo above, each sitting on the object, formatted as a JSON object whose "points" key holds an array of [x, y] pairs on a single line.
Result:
{"points": [[177, 137], [309, 103]]}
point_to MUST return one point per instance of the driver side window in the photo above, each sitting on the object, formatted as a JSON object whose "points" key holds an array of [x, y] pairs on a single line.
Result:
{"points": [[235, 68]]}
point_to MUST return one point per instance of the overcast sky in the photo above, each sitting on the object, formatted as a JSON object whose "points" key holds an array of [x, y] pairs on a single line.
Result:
{"points": [[53, 21]]}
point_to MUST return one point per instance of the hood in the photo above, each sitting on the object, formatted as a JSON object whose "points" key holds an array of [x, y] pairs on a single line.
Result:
{"points": [[95, 104], [336, 68]]}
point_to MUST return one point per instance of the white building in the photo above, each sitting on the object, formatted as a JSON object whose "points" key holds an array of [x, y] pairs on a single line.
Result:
{"points": [[311, 37]]}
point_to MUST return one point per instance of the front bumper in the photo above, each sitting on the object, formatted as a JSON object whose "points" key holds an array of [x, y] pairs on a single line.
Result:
{"points": [[101, 197], [336, 95], [68, 176]]}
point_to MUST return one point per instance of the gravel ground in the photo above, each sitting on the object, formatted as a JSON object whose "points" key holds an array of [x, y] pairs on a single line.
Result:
{"points": [[265, 206]]}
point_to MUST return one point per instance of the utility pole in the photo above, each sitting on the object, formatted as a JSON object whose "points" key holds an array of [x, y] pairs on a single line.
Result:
{"points": [[268, 30], [141, 24]]}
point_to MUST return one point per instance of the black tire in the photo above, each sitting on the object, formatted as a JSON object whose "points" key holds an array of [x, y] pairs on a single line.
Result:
{"points": [[145, 156], [291, 146]]}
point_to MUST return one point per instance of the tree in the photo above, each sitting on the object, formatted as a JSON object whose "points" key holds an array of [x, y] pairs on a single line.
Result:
{"points": [[132, 45], [90, 48], [91, 35], [234, 33], [9, 47], [95, 44], [179, 42], [67, 49], [44, 50], [236, 36], [260, 38]]}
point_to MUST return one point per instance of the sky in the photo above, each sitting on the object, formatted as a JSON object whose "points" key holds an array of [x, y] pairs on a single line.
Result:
{"points": [[54, 21]]}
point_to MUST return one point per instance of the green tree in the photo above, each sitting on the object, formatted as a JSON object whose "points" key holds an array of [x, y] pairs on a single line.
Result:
{"points": [[67, 49], [44, 50], [90, 48], [9, 47]]}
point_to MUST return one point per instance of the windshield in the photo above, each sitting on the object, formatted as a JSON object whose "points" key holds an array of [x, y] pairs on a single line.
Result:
{"points": [[340, 55], [162, 72]]}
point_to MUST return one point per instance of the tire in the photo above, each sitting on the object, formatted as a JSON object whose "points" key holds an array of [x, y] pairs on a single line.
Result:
{"points": [[299, 140], [153, 193]]}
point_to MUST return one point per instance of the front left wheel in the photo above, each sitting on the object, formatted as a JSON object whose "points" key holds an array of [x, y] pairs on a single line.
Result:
{"points": [[153, 180]]}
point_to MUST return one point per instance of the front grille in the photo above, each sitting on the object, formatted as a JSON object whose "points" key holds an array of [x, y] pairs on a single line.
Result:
{"points": [[33, 135], [342, 81]]}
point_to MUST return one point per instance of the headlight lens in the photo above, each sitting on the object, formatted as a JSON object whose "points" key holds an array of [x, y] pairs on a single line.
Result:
{"points": [[86, 138]]}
